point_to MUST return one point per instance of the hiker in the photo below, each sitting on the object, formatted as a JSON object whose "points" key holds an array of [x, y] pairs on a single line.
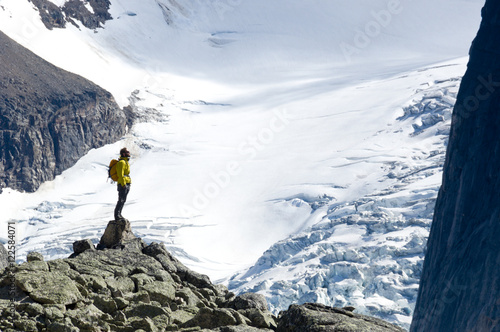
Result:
{"points": [[124, 181]]}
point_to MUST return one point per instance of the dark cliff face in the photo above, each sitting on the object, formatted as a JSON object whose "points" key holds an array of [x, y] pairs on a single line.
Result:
{"points": [[49, 118], [73, 11], [461, 276]]}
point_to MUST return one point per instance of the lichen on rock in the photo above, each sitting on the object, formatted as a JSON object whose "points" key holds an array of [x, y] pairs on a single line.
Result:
{"points": [[144, 287]]}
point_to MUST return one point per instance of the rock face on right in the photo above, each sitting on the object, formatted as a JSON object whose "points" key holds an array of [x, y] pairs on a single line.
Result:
{"points": [[313, 317], [459, 287]]}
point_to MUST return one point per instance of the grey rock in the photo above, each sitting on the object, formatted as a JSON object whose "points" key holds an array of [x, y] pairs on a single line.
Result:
{"points": [[121, 303], [162, 292], [96, 284], [237, 328], [85, 316], [208, 318], [459, 284], [349, 308], [117, 233], [261, 319], [48, 287], [250, 301], [188, 296], [81, 246], [26, 325], [144, 310], [120, 285], [315, 318], [53, 313], [140, 297], [32, 266], [34, 256], [104, 303], [120, 317], [62, 327], [180, 317], [141, 279], [145, 324], [32, 309], [58, 265]]}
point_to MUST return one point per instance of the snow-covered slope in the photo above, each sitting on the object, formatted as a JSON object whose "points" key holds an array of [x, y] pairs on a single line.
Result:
{"points": [[314, 130], [367, 250]]}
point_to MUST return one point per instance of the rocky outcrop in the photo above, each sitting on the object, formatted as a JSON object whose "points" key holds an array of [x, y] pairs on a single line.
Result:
{"points": [[143, 287], [318, 318], [73, 11], [118, 233], [459, 284], [49, 118]]}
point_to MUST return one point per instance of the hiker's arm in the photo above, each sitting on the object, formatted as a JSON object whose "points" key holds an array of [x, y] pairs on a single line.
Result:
{"points": [[119, 171]]}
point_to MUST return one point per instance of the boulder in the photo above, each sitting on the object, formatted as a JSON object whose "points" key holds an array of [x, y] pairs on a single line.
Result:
{"points": [[259, 318], [117, 233], [311, 317], [208, 318], [162, 292], [48, 287], [34, 256], [250, 301], [82, 245]]}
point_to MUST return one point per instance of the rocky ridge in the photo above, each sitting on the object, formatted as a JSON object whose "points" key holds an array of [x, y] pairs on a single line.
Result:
{"points": [[132, 286]]}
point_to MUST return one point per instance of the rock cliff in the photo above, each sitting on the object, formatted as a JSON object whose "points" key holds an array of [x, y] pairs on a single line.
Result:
{"points": [[49, 118], [143, 287], [459, 285], [74, 12]]}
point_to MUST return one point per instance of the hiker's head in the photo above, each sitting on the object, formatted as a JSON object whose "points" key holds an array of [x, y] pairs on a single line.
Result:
{"points": [[124, 152]]}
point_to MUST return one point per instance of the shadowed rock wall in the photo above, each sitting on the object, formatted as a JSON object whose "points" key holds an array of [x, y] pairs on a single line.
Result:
{"points": [[461, 275], [49, 118]]}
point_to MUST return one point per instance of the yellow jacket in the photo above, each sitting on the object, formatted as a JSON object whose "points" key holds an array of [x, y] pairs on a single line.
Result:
{"points": [[123, 171]]}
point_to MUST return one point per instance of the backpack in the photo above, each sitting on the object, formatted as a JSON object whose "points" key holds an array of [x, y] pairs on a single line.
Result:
{"points": [[112, 174]]}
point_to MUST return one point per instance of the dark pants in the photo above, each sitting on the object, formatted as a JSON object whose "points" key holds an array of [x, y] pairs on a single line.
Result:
{"points": [[122, 198]]}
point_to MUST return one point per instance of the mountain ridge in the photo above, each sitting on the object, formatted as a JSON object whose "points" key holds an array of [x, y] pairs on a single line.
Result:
{"points": [[49, 118], [129, 285]]}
